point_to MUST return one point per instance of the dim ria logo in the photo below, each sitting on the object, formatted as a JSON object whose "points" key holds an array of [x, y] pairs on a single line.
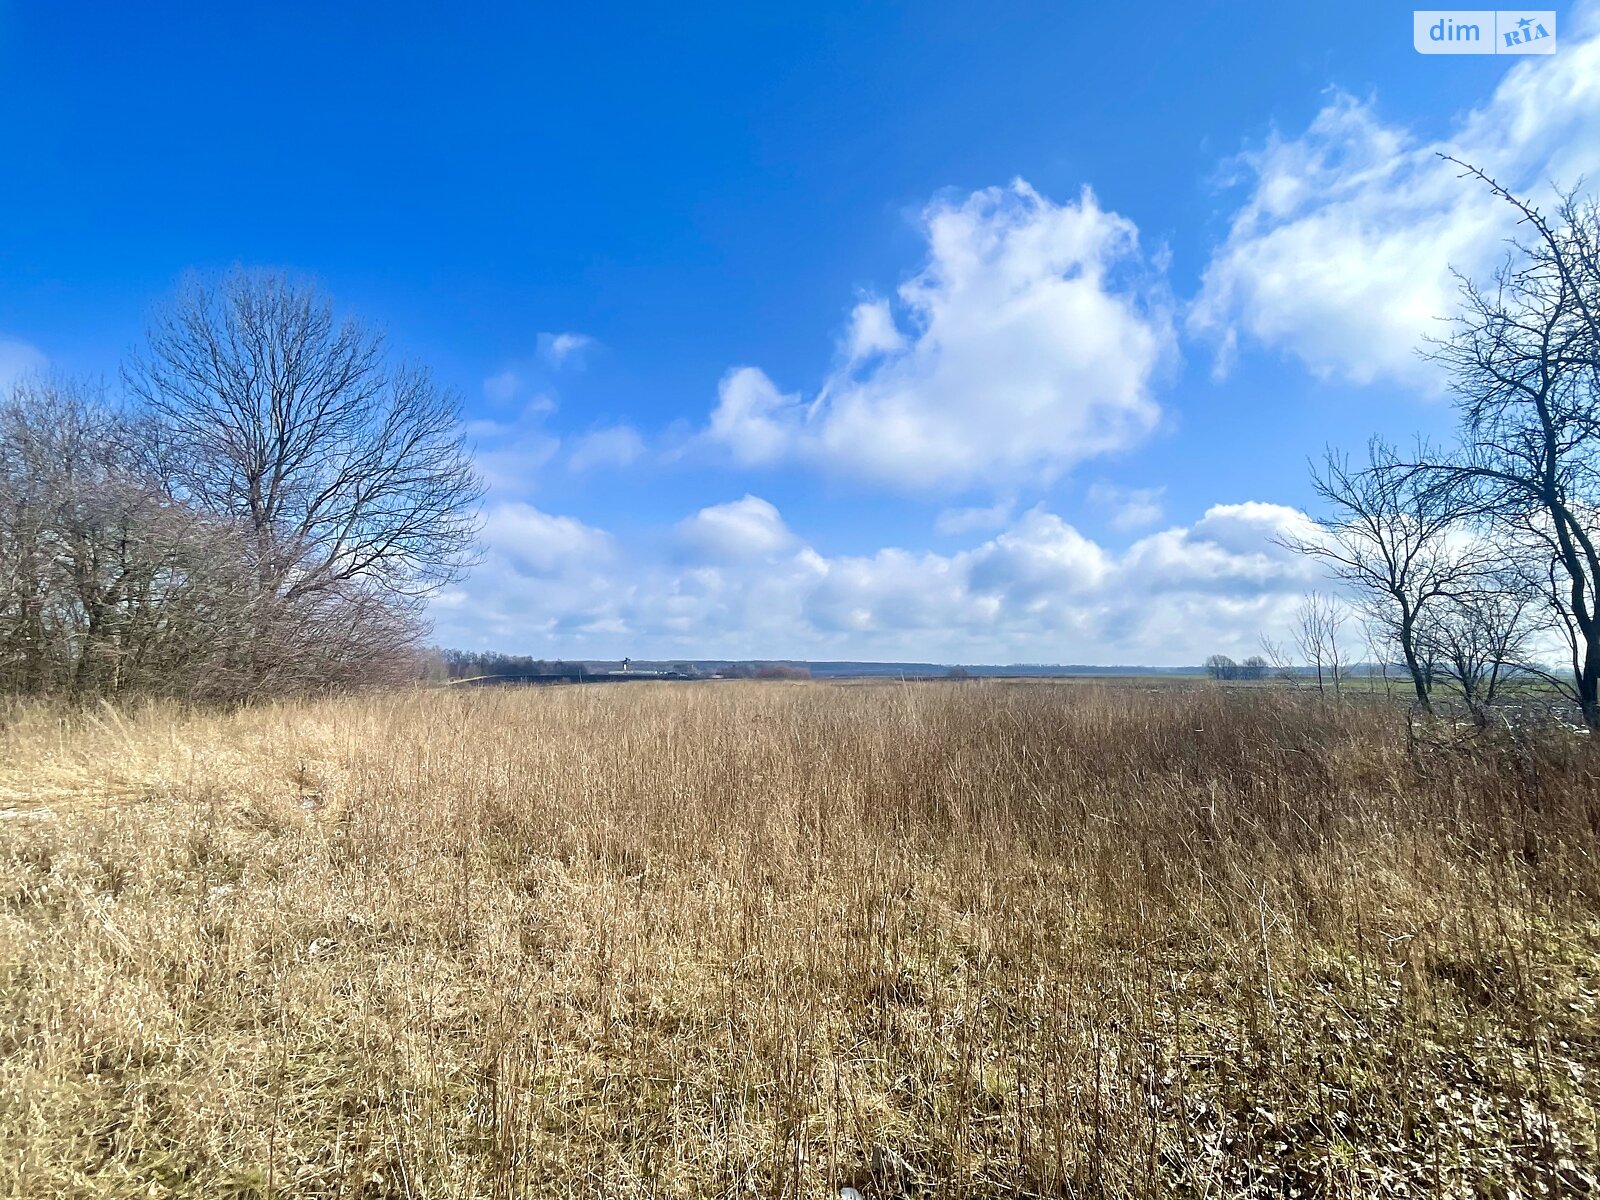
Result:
{"points": [[1483, 32]]}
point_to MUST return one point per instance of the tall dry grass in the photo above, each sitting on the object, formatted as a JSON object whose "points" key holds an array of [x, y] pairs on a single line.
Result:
{"points": [[778, 940]]}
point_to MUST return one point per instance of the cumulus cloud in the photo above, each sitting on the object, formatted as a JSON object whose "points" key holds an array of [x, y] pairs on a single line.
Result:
{"points": [[1341, 253], [744, 529], [1232, 550], [1027, 343], [544, 581], [906, 596], [616, 446], [872, 331], [1038, 561], [18, 360], [542, 545], [753, 419], [740, 583]]}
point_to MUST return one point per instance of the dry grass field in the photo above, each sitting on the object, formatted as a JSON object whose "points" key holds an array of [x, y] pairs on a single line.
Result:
{"points": [[769, 940]]}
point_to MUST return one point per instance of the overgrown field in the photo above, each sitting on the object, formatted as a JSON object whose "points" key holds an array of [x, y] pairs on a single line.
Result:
{"points": [[774, 940]]}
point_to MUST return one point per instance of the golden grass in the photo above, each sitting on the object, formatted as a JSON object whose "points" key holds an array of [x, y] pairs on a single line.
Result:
{"points": [[781, 939]]}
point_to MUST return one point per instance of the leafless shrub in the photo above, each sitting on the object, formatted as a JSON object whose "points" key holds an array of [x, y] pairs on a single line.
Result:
{"points": [[106, 585], [267, 517], [1480, 637], [1317, 627], [1278, 660]]}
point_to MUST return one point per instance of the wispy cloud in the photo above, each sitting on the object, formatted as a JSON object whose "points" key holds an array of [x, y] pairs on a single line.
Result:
{"points": [[565, 349], [509, 452], [981, 519], [615, 446], [1129, 508]]}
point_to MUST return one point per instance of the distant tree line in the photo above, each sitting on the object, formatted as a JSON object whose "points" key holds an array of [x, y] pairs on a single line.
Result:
{"points": [[1471, 563], [442, 665], [262, 509], [445, 665], [1220, 666]]}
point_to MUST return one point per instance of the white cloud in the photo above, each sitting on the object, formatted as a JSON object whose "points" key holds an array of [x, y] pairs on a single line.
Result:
{"points": [[1342, 253], [18, 360], [502, 388], [1027, 343], [741, 584], [742, 529], [1232, 550], [953, 521], [616, 446], [1039, 561], [540, 544], [509, 453], [872, 331], [1130, 508], [565, 349], [544, 581], [752, 418], [894, 595]]}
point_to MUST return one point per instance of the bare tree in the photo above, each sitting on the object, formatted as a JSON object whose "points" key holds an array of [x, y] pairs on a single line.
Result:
{"points": [[349, 471], [26, 553], [1397, 536], [106, 586], [1220, 666], [345, 474], [1381, 651], [1318, 622], [269, 517], [1278, 660], [1481, 636], [1525, 365]]}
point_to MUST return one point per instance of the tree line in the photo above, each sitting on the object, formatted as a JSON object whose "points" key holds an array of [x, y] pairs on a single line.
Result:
{"points": [[446, 665], [1475, 562], [443, 665], [262, 507], [1220, 666]]}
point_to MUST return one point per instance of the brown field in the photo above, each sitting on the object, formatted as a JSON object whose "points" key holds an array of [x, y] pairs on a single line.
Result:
{"points": [[768, 940]]}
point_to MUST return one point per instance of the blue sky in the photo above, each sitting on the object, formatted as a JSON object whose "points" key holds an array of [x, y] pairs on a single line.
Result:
{"points": [[885, 331]]}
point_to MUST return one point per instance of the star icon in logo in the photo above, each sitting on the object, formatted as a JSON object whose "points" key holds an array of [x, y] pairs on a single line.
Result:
{"points": [[1525, 22]]}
